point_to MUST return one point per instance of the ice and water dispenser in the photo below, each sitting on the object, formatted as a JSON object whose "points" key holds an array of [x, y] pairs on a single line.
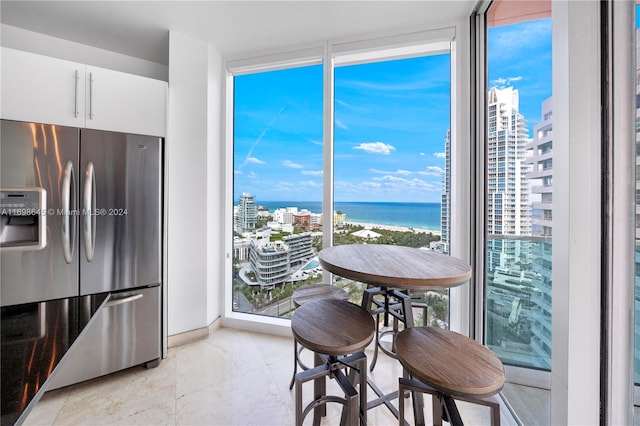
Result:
{"points": [[23, 216]]}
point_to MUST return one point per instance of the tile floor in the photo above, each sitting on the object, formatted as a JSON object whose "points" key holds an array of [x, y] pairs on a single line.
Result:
{"points": [[231, 378]]}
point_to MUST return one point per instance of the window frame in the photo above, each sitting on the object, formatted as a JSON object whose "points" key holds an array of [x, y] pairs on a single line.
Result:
{"points": [[479, 132], [347, 51]]}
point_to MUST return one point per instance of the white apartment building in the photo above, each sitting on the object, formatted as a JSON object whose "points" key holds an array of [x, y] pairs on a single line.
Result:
{"points": [[508, 208], [445, 206], [246, 213], [270, 261], [541, 182], [285, 215], [300, 246]]}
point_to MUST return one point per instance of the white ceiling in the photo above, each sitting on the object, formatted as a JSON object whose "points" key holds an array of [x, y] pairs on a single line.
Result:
{"points": [[140, 28]]}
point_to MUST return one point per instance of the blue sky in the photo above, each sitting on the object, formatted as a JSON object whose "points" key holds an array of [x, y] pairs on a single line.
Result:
{"points": [[519, 55], [390, 122], [391, 119]]}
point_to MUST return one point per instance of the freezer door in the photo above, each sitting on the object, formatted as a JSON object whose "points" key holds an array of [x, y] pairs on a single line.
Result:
{"points": [[39, 155], [120, 231], [124, 332]]}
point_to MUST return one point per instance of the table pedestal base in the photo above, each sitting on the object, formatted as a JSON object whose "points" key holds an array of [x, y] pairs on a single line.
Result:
{"points": [[394, 303]]}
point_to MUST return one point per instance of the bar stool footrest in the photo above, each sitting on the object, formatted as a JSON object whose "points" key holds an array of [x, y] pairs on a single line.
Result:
{"points": [[450, 413], [332, 367]]}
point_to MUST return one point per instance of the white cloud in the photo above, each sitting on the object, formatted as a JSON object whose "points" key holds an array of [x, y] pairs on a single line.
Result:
{"points": [[422, 153], [237, 172], [291, 164], [394, 183], [397, 172], [439, 154], [253, 160], [310, 183], [312, 172], [375, 148], [432, 171], [505, 82]]}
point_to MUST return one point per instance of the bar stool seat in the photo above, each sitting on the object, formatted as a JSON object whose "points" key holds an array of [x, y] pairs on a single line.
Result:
{"points": [[449, 366], [337, 332], [306, 294]]}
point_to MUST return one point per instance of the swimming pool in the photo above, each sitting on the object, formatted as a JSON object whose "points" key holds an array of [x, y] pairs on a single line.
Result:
{"points": [[312, 264]]}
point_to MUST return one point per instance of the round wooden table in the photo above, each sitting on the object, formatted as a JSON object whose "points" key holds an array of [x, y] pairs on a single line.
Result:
{"points": [[399, 267]]}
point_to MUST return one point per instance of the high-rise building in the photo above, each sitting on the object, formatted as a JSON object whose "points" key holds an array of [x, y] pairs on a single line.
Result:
{"points": [[300, 246], [445, 206], [247, 213], [511, 292], [541, 182], [269, 261], [508, 208]]}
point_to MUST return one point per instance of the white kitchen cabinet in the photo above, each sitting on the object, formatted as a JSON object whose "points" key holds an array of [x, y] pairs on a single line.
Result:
{"points": [[124, 102], [41, 89]]}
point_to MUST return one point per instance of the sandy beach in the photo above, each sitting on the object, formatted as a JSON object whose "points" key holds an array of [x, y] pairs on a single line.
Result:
{"points": [[392, 228]]}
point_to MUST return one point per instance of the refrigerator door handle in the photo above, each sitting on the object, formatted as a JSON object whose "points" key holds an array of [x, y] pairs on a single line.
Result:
{"points": [[89, 211], [122, 300], [68, 234]]}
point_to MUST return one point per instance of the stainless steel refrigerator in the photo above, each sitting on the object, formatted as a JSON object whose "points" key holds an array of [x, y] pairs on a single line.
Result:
{"points": [[96, 229]]}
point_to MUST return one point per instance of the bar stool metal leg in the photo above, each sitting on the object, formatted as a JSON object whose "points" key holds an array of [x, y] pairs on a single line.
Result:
{"points": [[319, 390], [295, 363], [354, 401]]}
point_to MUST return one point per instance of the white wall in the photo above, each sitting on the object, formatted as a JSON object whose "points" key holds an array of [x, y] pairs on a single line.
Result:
{"points": [[186, 184], [29, 41]]}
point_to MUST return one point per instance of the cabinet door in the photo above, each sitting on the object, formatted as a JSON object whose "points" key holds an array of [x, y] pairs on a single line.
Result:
{"points": [[41, 89], [126, 103]]}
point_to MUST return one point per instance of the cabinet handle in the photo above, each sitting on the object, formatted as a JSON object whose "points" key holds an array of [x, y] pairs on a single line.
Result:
{"points": [[76, 112], [91, 95]]}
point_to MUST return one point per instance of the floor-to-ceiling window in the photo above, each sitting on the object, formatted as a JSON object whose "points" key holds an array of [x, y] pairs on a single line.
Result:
{"points": [[517, 160], [390, 156], [519, 191], [277, 186]]}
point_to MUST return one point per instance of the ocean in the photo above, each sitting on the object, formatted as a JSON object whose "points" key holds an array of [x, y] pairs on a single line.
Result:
{"points": [[410, 215]]}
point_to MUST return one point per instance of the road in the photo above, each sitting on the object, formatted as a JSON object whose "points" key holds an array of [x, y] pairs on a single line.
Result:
{"points": [[277, 309]]}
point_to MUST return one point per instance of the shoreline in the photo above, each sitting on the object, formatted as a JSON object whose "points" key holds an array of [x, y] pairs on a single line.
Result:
{"points": [[393, 227]]}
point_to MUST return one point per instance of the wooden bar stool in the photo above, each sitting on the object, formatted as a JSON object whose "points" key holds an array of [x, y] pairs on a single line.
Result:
{"points": [[450, 367], [337, 332], [306, 294]]}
